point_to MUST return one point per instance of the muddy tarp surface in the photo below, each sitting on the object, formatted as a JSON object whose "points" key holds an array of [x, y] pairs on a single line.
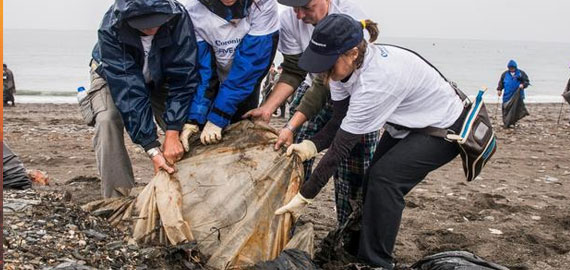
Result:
{"points": [[13, 171], [514, 109], [223, 197], [453, 260]]}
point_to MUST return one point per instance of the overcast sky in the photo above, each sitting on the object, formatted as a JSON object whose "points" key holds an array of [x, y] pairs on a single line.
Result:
{"points": [[531, 20]]}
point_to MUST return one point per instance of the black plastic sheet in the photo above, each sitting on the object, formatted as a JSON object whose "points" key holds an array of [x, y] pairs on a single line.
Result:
{"points": [[514, 110], [289, 259], [454, 260], [14, 173]]}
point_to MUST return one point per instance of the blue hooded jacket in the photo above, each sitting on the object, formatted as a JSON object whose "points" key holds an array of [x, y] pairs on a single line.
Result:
{"points": [[510, 83], [171, 61]]}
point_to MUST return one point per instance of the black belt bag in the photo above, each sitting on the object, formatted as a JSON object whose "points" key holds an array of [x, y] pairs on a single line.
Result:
{"points": [[476, 139]]}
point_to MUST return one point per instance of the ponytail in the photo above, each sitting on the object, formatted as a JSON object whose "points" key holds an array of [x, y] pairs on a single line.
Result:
{"points": [[372, 29]]}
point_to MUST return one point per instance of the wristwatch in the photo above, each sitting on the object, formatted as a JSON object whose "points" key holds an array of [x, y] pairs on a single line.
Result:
{"points": [[290, 127], [153, 152]]}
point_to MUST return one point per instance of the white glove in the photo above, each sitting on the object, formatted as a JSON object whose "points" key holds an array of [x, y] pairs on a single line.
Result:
{"points": [[305, 150], [294, 206], [211, 134], [187, 131]]}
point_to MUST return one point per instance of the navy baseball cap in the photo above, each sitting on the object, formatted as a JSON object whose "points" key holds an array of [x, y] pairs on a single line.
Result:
{"points": [[333, 36], [294, 3], [149, 20]]}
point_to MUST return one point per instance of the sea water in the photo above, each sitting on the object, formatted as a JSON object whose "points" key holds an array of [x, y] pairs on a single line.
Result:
{"points": [[49, 65]]}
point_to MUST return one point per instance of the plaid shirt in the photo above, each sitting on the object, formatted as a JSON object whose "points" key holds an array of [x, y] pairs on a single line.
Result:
{"points": [[349, 176]]}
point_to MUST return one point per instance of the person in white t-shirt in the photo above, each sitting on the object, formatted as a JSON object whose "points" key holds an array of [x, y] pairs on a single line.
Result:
{"points": [[311, 98], [374, 85], [237, 41]]}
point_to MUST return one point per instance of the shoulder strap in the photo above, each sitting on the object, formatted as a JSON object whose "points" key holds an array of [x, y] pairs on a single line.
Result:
{"points": [[459, 93], [434, 131]]}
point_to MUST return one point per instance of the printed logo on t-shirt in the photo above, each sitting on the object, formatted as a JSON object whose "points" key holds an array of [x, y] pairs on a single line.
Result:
{"points": [[383, 52], [226, 47]]}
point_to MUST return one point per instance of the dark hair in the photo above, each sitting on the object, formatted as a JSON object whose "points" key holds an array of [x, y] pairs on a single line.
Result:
{"points": [[372, 29]]}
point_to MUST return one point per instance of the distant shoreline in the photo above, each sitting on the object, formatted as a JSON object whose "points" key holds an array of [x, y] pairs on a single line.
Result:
{"points": [[70, 98], [46, 93]]}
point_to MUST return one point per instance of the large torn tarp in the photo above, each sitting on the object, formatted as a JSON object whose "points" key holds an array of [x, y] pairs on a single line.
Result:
{"points": [[223, 197], [13, 171], [514, 109]]}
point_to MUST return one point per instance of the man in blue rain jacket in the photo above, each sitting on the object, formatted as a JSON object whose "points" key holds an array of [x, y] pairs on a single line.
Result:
{"points": [[143, 70]]}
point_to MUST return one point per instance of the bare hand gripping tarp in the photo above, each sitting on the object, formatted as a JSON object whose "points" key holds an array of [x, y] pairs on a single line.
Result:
{"points": [[224, 197]]}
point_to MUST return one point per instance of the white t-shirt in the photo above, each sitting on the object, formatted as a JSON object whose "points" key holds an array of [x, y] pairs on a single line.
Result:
{"points": [[396, 86], [146, 43], [295, 35], [224, 36]]}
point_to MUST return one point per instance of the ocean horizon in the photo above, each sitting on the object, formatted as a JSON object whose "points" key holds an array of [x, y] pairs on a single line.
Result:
{"points": [[52, 71]]}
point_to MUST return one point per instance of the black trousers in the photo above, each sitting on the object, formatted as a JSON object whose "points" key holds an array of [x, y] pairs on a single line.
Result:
{"points": [[398, 166]]}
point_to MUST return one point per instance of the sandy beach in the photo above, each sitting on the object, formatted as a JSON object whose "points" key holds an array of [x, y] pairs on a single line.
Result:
{"points": [[516, 214]]}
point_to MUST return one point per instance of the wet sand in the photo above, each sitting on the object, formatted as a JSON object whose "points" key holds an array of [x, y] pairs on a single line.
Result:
{"points": [[524, 192]]}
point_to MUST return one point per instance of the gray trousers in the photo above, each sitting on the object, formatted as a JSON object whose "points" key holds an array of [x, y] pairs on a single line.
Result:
{"points": [[113, 162]]}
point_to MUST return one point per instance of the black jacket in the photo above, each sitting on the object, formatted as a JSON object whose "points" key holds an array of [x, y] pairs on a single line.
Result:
{"points": [[566, 93], [171, 61], [9, 84]]}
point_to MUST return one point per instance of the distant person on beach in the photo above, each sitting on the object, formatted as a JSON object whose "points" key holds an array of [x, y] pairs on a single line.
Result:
{"points": [[9, 86], [144, 65], [566, 93], [513, 81], [237, 41], [283, 106], [267, 91], [269, 81]]}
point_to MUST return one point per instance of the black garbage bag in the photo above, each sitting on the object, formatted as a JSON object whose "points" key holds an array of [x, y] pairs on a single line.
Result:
{"points": [[514, 110], [289, 259], [14, 173], [566, 93], [339, 248], [455, 260]]}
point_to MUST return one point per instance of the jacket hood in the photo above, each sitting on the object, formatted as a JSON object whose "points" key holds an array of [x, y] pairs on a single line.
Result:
{"points": [[126, 9], [239, 10], [512, 63]]}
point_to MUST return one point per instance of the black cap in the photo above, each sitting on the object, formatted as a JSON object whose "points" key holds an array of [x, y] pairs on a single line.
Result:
{"points": [[149, 20], [333, 36], [294, 3]]}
